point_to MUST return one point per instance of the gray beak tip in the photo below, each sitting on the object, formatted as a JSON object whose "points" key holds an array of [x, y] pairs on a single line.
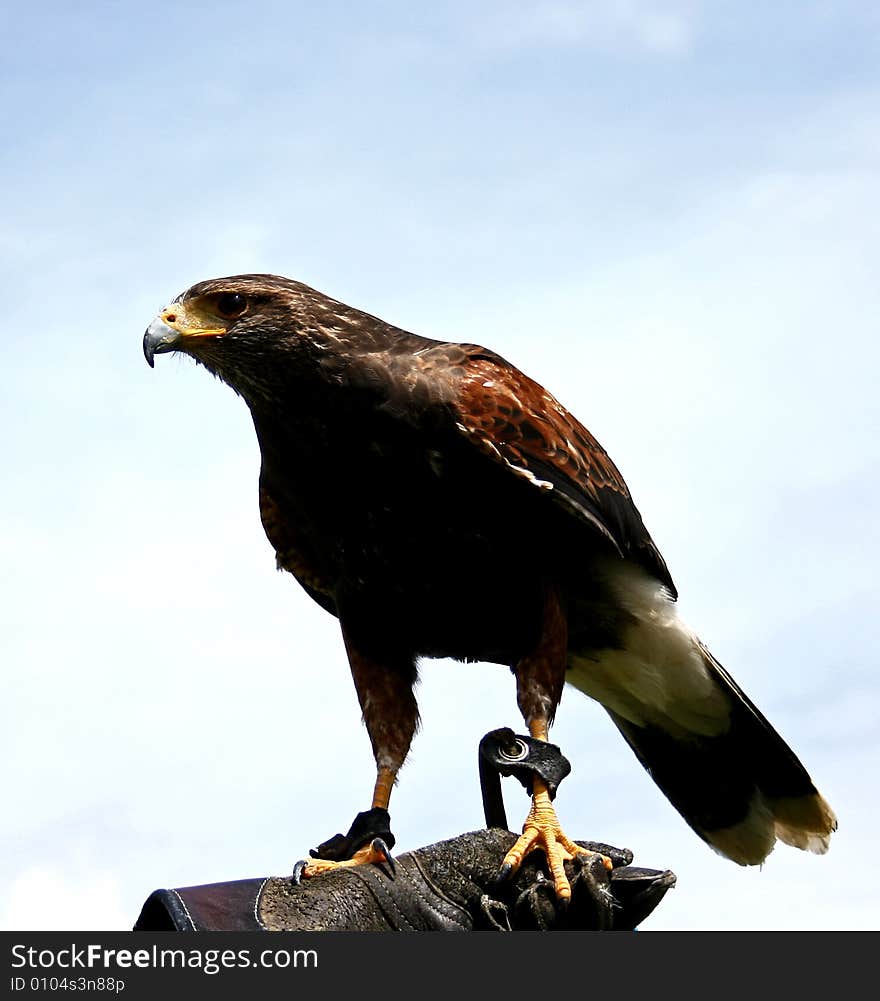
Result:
{"points": [[158, 339], [149, 351]]}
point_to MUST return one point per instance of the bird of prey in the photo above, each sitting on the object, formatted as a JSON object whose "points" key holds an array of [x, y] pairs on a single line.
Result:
{"points": [[440, 503]]}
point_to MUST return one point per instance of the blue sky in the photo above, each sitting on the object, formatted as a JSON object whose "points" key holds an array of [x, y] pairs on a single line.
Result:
{"points": [[665, 212]]}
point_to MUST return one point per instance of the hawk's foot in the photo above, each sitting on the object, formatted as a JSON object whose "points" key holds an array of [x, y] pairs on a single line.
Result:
{"points": [[369, 839], [375, 852], [542, 830]]}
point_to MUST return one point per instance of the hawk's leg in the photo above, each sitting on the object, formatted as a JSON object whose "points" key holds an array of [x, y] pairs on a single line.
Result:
{"points": [[540, 678], [385, 692]]}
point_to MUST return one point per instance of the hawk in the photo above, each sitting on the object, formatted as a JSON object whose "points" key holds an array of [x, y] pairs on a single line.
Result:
{"points": [[440, 503]]}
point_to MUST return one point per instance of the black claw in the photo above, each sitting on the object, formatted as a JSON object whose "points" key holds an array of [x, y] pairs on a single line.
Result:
{"points": [[297, 874], [504, 873], [379, 846]]}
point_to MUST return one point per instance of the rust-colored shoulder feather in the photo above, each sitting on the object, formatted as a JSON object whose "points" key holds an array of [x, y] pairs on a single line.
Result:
{"points": [[511, 418]]}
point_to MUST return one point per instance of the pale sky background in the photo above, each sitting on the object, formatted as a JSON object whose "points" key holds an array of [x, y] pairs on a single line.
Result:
{"points": [[666, 212]]}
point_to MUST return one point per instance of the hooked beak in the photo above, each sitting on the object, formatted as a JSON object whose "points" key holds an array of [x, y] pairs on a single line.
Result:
{"points": [[159, 338], [170, 330]]}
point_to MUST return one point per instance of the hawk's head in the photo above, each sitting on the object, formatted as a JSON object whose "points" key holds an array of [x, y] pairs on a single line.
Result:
{"points": [[255, 331], [239, 326]]}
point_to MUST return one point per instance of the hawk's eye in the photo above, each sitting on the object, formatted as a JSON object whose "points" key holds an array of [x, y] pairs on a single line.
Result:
{"points": [[230, 305]]}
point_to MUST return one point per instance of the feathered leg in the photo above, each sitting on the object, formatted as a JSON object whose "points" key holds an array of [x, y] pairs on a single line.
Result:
{"points": [[540, 677], [385, 692]]}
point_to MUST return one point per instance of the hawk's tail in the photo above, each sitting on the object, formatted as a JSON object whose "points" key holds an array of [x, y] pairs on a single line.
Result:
{"points": [[740, 790], [720, 763]]}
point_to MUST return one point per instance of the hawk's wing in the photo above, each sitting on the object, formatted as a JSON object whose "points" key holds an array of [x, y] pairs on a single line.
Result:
{"points": [[511, 418]]}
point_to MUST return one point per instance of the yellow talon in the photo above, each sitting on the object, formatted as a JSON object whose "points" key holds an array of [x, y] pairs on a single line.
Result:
{"points": [[542, 830], [377, 851]]}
